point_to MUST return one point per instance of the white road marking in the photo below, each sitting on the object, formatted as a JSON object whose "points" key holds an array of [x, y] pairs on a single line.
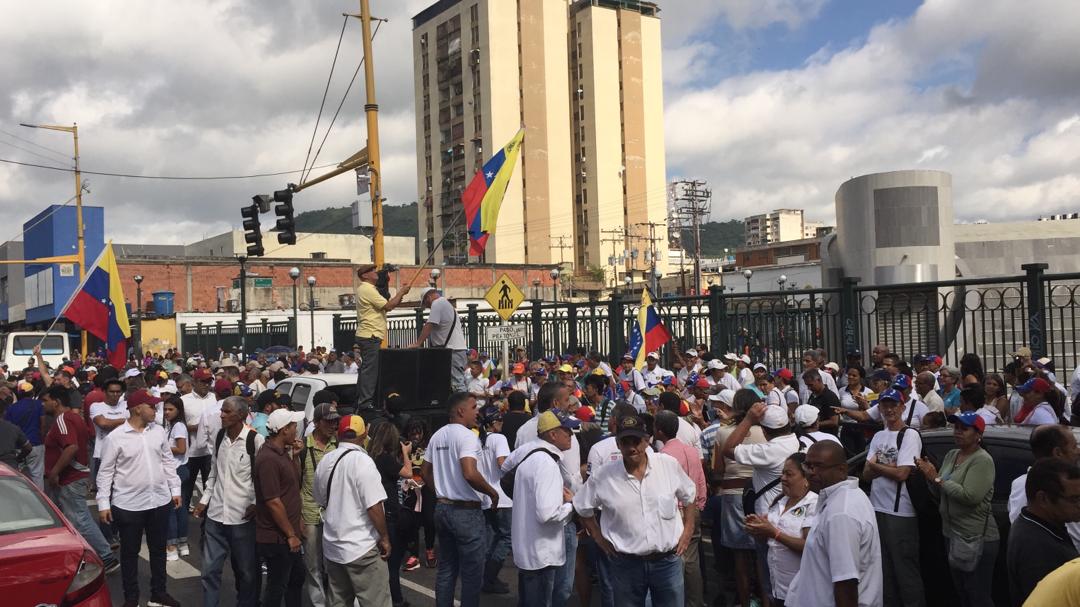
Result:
{"points": [[424, 590], [177, 570]]}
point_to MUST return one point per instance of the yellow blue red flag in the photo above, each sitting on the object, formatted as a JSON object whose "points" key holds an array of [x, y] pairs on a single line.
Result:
{"points": [[98, 307], [484, 195], [648, 333]]}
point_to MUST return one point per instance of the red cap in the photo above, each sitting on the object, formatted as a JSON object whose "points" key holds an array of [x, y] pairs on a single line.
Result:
{"points": [[201, 374], [585, 413], [223, 388], [142, 397], [785, 373], [703, 383]]}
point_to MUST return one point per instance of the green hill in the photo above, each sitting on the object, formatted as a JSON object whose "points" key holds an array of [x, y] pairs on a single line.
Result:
{"points": [[717, 236], [398, 220]]}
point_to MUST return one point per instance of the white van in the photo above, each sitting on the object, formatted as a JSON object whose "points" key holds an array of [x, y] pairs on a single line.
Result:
{"points": [[18, 348]]}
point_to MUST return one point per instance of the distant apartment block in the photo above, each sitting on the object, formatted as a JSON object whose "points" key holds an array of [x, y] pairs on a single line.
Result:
{"points": [[777, 226]]}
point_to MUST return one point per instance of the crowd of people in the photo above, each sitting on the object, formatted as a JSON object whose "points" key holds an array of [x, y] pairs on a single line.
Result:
{"points": [[584, 471]]}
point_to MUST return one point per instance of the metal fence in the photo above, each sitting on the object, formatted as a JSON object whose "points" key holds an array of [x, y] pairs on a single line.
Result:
{"points": [[991, 317], [208, 337]]}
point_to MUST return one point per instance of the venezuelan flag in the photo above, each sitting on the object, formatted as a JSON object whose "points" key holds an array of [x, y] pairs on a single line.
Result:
{"points": [[648, 333], [484, 195], [98, 307]]}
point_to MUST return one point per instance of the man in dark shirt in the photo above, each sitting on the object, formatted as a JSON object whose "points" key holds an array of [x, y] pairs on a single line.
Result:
{"points": [[13, 444], [277, 509], [28, 414], [515, 416], [822, 398], [1038, 541]]}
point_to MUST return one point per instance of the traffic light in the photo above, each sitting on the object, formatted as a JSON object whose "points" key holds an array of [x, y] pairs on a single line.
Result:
{"points": [[252, 231], [286, 225]]}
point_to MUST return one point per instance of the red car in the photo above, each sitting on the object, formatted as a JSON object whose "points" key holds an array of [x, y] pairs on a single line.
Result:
{"points": [[43, 559]]}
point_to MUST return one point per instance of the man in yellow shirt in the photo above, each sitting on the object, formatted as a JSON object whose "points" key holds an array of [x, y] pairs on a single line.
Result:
{"points": [[371, 309]]}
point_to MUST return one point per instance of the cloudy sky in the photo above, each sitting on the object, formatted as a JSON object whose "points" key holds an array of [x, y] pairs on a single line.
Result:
{"points": [[796, 96]]}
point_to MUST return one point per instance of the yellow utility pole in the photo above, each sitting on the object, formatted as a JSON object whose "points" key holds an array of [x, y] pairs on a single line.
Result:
{"points": [[81, 251], [371, 110]]}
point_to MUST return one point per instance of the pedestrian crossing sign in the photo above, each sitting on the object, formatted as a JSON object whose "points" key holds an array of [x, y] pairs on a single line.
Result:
{"points": [[504, 297]]}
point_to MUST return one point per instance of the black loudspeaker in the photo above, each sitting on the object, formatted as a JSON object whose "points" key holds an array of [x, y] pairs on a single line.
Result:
{"points": [[420, 375]]}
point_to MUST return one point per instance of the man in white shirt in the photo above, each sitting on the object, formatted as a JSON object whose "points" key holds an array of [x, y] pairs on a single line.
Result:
{"points": [[450, 465], [1074, 385], [137, 490], [766, 458], [107, 416], [924, 388], [198, 452], [691, 365], [627, 373], [806, 426], [606, 450], [1047, 441], [890, 460], [654, 373], [745, 373], [841, 561], [718, 377], [355, 536], [641, 531], [229, 505], [443, 330], [542, 512], [476, 384]]}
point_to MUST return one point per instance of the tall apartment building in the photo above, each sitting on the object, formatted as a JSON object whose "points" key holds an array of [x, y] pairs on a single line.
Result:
{"points": [[777, 226], [584, 79]]}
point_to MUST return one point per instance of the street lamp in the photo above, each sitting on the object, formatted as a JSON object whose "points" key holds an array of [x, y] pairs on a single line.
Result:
{"points": [[435, 274], [138, 316], [657, 275], [554, 284], [747, 273], [536, 288], [311, 304], [781, 281], [294, 273], [628, 280]]}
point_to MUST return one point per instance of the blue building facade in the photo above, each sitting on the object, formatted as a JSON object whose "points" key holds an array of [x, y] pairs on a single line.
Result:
{"points": [[52, 232]]}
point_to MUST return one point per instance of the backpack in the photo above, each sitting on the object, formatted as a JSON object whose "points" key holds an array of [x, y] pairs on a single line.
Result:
{"points": [[750, 497], [249, 443], [918, 490], [507, 480]]}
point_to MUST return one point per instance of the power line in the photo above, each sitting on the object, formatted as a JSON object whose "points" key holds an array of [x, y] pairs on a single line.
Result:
{"points": [[31, 152], [165, 177], [322, 104], [62, 155]]}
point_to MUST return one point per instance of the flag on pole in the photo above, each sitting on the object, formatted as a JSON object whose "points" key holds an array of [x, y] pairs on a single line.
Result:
{"points": [[484, 195], [648, 333], [98, 307]]}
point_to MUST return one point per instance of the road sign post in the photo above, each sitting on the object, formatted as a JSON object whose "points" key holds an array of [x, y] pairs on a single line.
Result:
{"points": [[504, 297]]}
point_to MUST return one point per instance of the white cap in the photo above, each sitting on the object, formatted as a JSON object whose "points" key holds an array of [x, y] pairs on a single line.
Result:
{"points": [[90, 369], [653, 355], [774, 418], [169, 388], [832, 365], [283, 417], [806, 415], [691, 352], [760, 366], [724, 396], [1043, 361], [745, 358], [132, 373], [715, 364], [730, 356]]}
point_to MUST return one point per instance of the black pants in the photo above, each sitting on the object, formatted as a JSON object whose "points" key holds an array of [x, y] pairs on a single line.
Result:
{"points": [[131, 524], [196, 465], [398, 544], [285, 571]]}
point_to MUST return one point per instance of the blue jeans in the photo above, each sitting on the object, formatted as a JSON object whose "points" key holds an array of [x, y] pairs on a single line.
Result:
{"points": [[71, 499], [535, 588], [178, 519], [601, 564], [635, 578], [564, 577], [238, 542], [461, 552], [498, 533]]}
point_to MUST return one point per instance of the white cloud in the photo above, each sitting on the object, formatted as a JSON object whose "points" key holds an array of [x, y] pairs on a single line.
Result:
{"points": [[937, 90]]}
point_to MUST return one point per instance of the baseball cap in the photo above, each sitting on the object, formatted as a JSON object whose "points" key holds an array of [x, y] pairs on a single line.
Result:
{"points": [[489, 414], [1024, 352], [653, 355], [517, 368], [169, 388], [223, 388], [163, 375], [549, 420], [1035, 384], [775, 417], [760, 366], [142, 397], [652, 391], [270, 396], [565, 368], [325, 411], [585, 413], [281, 418], [691, 352], [365, 268], [324, 396], [833, 366], [130, 373], [201, 374], [631, 425], [785, 373], [580, 364], [970, 419], [627, 356], [891, 394], [702, 383], [715, 364], [806, 415], [90, 369], [880, 375], [745, 358], [902, 382], [730, 356]]}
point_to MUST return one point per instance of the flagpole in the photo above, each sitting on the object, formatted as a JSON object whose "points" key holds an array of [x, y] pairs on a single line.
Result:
{"points": [[71, 297], [431, 255]]}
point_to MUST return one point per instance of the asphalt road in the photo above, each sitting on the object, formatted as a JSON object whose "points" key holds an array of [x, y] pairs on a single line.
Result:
{"points": [[418, 586]]}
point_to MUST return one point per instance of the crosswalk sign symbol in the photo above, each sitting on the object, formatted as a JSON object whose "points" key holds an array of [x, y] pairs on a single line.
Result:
{"points": [[504, 297]]}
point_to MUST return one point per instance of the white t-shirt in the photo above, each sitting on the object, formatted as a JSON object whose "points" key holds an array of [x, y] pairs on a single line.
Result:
{"points": [[493, 448], [1042, 414], [348, 531], [726, 381], [989, 414], [746, 377], [443, 316], [178, 431], [603, 453], [447, 447], [104, 410], [783, 561], [768, 461], [656, 375], [883, 490], [847, 401], [689, 434], [916, 418], [193, 408]]}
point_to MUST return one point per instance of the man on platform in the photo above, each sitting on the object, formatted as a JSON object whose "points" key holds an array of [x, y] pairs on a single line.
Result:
{"points": [[443, 330], [371, 309]]}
